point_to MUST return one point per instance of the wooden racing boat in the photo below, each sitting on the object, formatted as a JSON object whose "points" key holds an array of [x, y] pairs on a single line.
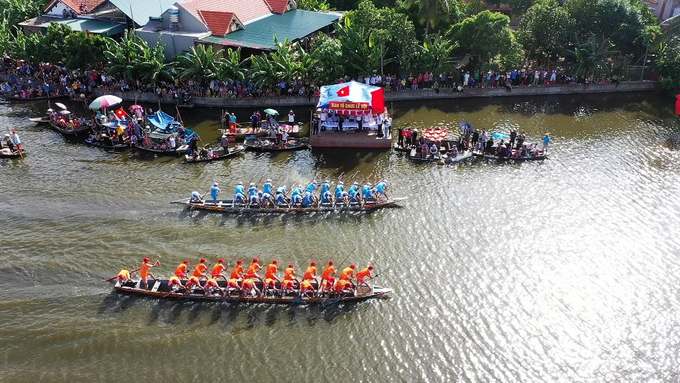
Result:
{"points": [[159, 289], [228, 206], [218, 155]]}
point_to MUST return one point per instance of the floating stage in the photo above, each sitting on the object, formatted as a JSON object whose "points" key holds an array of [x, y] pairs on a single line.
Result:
{"points": [[351, 139]]}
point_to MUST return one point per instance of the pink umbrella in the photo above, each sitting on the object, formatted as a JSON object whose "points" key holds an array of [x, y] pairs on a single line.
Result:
{"points": [[105, 101], [136, 107]]}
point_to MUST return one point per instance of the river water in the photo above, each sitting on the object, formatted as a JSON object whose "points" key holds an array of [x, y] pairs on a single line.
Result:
{"points": [[561, 271]]}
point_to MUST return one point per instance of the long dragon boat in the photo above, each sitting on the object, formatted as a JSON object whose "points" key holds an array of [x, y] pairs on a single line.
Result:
{"points": [[228, 206], [159, 289]]}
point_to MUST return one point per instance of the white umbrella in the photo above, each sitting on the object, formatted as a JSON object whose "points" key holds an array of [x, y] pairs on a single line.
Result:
{"points": [[60, 105]]}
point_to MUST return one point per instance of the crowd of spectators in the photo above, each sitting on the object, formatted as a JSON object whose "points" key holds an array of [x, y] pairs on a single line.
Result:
{"points": [[24, 78]]}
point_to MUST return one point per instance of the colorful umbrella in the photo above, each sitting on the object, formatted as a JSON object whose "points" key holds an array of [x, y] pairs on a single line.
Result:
{"points": [[273, 112], [105, 101], [136, 107]]}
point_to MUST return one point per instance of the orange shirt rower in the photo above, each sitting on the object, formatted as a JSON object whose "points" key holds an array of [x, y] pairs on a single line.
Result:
{"points": [[238, 270], [192, 283], [232, 285], [310, 273], [327, 286], [271, 271], [144, 272], [124, 276], [218, 269], [289, 274], [248, 287], [200, 269], [306, 286], [343, 286], [363, 274], [181, 270], [347, 273], [253, 268], [212, 284], [174, 281], [328, 272]]}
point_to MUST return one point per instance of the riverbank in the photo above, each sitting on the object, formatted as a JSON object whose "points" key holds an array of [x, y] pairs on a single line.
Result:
{"points": [[427, 94]]}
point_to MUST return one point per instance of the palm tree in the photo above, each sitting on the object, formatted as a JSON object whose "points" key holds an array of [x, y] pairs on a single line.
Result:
{"points": [[200, 63], [428, 10], [126, 55], [437, 52]]}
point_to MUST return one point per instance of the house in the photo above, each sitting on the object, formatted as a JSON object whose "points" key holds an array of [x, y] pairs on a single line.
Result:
{"points": [[664, 9], [249, 24], [103, 17]]}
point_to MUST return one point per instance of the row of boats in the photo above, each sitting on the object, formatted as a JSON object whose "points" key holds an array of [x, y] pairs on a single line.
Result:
{"points": [[163, 135]]}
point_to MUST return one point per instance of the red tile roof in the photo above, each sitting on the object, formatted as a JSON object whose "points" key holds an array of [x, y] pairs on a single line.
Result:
{"points": [[245, 10], [217, 22], [278, 6], [75, 4]]}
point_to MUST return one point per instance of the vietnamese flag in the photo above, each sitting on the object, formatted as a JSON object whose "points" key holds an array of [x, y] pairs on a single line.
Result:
{"points": [[120, 113], [343, 92]]}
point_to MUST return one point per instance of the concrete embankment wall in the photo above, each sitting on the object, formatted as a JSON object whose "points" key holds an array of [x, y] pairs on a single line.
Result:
{"points": [[629, 86]]}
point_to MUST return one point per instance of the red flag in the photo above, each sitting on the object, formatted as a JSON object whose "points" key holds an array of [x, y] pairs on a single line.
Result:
{"points": [[120, 113], [343, 92]]}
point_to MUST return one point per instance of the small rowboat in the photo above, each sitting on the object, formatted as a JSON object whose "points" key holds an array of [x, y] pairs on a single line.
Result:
{"points": [[106, 144], [228, 206], [265, 145], [17, 97], [40, 120], [162, 152], [159, 289], [510, 159], [5, 153], [219, 155], [72, 132]]}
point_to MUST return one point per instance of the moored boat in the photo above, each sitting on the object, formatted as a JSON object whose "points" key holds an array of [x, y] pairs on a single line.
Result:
{"points": [[72, 130], [107, 144], [511, 158], [256, 144], [159, 289], [228, 206], [217, 155]]}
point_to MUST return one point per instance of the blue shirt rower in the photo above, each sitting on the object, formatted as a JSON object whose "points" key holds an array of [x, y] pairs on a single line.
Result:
{"points": [[327, 197], [240, 189], [296, 199], [325, 187], [311, 187], [308, 199], [381, 188], [366, 190], [339, 189], [214, 191], [252, 190], [195, 197], [353, 188], [268, 187], [297, 191], [281, 199]]}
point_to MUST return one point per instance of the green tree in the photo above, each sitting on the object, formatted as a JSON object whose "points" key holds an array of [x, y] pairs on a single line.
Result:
{"points": [[313, 5], [328, 58], [152, 67], [263, 72], [668, 65], [473, 7], [200, 63], [83, 50], [429, 11], [53, 48], [27, 47], [591, 58], [436, 53], [401, 43], [545, 32], [125, 56], [519, 7], [358, 56], [13, 12], [484, 37], [621, 21], [232, 68]]}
